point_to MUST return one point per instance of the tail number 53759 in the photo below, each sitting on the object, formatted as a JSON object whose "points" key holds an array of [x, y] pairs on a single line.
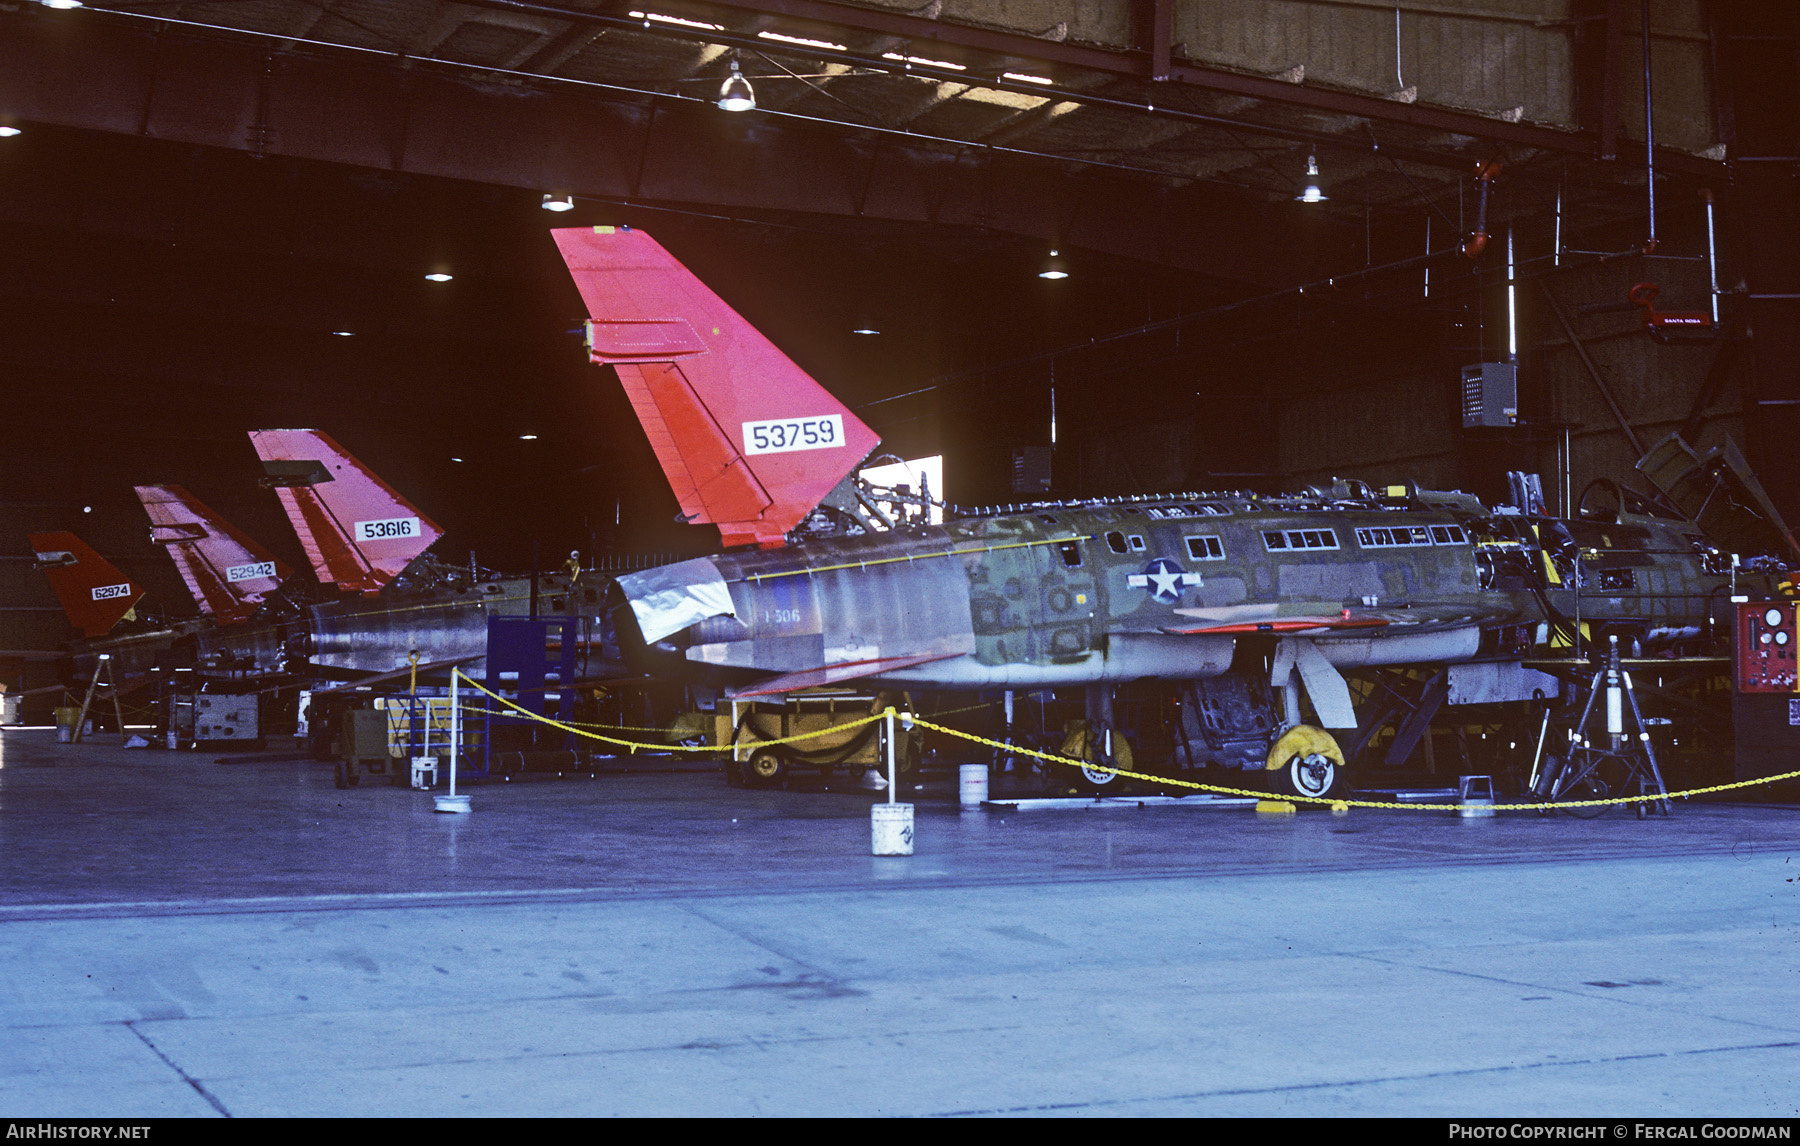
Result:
{"points": [[783, 435]]}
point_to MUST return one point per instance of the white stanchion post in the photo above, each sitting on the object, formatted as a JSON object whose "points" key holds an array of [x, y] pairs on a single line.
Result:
{"points": [[891, 824], [452, 802]]}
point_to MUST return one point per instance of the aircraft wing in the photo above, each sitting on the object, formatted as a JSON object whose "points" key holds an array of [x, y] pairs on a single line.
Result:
{"points": [[1322, 619], [834, 674]]}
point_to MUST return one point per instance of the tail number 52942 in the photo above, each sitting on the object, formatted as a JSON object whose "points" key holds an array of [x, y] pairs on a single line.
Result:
{"points": [[783, 435]]}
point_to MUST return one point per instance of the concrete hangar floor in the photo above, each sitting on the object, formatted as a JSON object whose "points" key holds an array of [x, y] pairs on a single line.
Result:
{"points": [[184, 937]]}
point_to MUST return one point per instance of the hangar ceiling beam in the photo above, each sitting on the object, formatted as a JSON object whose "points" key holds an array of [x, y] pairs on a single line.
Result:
{"points": [[1144, 63], [423, 119]]}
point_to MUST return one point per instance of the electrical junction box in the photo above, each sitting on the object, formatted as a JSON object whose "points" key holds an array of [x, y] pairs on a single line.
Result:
{"points": [[1765, 706], [1490, 394], [1031, 469]]}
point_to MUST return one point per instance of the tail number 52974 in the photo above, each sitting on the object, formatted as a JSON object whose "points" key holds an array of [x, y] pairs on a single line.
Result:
{"points": [[782, 435]]}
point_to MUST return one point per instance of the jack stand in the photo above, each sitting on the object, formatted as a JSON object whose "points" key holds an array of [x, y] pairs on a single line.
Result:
{"points": [[1628, 760]]}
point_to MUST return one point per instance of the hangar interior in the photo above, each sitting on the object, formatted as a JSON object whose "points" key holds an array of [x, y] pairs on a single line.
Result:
{"points": [[1493, 290], [1285, 234]]}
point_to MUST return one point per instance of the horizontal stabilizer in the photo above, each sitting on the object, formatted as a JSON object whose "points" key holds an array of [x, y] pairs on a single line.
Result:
{"points": [[748, 441], [834, 674], [358, 533], [94, 594], [227, 573]]}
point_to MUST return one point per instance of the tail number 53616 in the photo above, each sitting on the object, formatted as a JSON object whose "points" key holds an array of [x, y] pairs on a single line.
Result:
{"points": [[394, 527], [782, 435]]}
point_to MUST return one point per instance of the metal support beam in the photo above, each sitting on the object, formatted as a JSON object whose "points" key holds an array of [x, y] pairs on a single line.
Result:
{"points": [[1156, 33], [1599, 379], [1141, 64], [204, 90]]}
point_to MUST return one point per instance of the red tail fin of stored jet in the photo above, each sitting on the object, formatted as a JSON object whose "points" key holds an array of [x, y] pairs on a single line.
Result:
{"points": [[93, 593], [749, 441], [357, 531], [227, 573]]}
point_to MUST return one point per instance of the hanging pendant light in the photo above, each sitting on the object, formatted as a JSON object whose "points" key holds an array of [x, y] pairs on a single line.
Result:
{"points": [[735, 93], [1312, 194]]}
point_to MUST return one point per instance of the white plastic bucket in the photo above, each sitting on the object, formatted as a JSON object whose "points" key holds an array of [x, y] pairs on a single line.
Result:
{"points": [[891, 829], [972, 791], [456, 805]]}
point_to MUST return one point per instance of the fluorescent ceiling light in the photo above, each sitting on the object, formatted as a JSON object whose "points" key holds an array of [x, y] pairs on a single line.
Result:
{"points": [[61, 3], [558, 203], [8, 130], [923, 62], [528, 437], [438, 277], [802, 41], [343, 333], [659, 18], [1025, 79], [865, 330]]}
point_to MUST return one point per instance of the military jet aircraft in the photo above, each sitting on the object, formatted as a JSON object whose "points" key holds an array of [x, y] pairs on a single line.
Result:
{"points": [[101, 603], [1259, 602], [235, 582], [406, 607]]}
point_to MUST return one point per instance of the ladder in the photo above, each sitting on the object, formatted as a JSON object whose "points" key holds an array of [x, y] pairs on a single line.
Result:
{"points": [[101, 668]]}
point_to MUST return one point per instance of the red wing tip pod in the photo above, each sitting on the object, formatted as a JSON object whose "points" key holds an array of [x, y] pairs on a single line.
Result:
{"points": [[93, 593], [357, 531], [227, 573], [748, 440]]}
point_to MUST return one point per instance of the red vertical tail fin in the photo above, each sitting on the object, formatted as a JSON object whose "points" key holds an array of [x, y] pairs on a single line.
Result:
{"points": [[94, 594], [228, 574], [748, 440], [357, 531]]}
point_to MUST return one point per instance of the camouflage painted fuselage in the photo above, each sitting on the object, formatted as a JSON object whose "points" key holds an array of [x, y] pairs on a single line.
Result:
{"points": [[1164, 589]]}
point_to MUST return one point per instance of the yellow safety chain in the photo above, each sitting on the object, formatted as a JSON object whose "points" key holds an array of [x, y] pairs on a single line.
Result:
{"points": [[1052, 758], [921, 722], [481, 711], [635, 745]]}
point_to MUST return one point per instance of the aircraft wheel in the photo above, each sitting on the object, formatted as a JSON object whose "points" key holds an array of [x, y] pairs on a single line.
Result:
{"points": [[1315, 775], [765, 768], [340, 776], [1098, 778], [1306, 761]]}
